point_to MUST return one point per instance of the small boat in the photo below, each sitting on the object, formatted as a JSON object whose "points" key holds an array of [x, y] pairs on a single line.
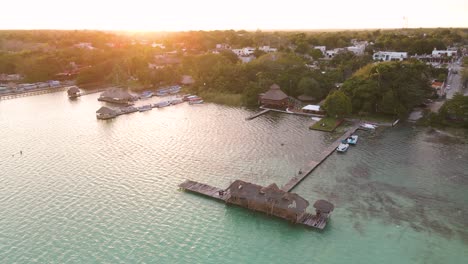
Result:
{"points": [[144, 108], [146, 95], [176, 101], [162, 104], [185, 97], [343, 147], [162, 93], [192, 102], [192, 98], [368, 126], [352, 140]]}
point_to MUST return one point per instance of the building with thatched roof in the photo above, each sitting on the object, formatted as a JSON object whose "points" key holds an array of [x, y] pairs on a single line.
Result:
{"points": [[116, 95], [271, 200], [73, 92], [274, 98], [106, 113]]}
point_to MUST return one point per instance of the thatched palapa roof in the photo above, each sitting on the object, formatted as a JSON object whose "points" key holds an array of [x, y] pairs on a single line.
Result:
{"points": [[270, 195], [275, 94], [117, 93], [73, 90], [105, 111], [324, 206]]}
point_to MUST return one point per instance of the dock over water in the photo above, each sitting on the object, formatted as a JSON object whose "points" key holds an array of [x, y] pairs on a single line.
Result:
{"points": [[201, 188], [316, 162], [258, 114]]}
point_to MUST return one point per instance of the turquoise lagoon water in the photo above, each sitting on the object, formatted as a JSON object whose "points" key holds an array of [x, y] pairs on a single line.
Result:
{"points": [[91, 191]]}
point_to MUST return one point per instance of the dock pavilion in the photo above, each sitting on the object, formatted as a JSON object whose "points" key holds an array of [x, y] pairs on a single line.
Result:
{"points": [[116, 95], [274, 98]]}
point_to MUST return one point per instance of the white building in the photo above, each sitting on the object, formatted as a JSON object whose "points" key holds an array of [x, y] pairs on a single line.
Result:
{"points": [[84, 45], [268, 49], [223, 46], [332, 53], [323, 49], [440, 53], [390, 56], [247, 51], [158, 45]]}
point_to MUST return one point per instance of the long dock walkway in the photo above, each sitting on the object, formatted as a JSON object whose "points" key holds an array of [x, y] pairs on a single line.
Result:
{"points": [[314, 163], [33, 92], [258, 114], [202, 188]]}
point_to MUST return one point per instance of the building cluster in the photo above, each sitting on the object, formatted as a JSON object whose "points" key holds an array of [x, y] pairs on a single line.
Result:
{"points": [[245, 54], [12, 87]]}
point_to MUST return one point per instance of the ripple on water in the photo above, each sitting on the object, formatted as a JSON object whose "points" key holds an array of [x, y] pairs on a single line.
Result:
{"points": [[106, 191]]}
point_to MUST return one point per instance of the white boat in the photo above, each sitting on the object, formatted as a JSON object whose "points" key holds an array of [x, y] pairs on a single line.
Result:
{"points": [[144, 108], [162, 104], [368, 126], [343, 147], [352, 140], [196, 102]]}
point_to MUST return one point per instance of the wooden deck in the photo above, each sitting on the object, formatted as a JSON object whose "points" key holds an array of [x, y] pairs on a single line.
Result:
{"points": [[33, 92], [201, 188], [313, 221], [316, 162], [264, 111]]}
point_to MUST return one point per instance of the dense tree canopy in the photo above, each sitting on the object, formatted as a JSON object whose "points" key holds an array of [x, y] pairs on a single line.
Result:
{"points": [[391, 88]]}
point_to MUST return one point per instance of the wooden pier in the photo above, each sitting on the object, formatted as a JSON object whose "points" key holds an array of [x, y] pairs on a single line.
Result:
{"points": [[33, 92], [258, 114], [203, 189], [304, 172], [318, 221]]}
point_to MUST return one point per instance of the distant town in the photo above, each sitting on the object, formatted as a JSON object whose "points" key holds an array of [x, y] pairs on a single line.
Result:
{"points": [[414, 74]]}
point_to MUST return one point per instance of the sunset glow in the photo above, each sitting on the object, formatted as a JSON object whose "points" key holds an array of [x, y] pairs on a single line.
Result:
{"points": [[242, 14]]}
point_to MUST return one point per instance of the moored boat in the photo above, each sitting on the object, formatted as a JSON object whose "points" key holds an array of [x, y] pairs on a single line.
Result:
{"points": [[144, 108], [146, 95], [176, 101], [162, 104], [352, 140], [368, 126], [343, 147], [199, 101]]}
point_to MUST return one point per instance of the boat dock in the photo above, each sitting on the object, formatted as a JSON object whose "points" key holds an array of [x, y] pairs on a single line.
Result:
{"points": [[201, 188], [318, 221], [33, 92], [264, 111], [304, 172]]}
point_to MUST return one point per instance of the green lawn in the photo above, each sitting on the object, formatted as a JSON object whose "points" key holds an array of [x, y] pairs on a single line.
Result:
{"points": [[379, 118], [327, 124]]}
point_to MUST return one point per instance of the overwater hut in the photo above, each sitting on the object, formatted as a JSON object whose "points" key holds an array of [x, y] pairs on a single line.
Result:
{"points": [[116, 95], [73, 92], [106, 113], [274, 98], [271, 200], [323, 207]]}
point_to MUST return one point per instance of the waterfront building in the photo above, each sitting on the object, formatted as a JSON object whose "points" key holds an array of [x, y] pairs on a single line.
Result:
{"points": [[73, 92], [274, 98], [116, 95], [106, 113], [390, 56], [271, 200]]}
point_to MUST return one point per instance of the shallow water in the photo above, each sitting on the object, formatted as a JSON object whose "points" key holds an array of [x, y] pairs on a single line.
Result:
{"points": [[92, 191]]}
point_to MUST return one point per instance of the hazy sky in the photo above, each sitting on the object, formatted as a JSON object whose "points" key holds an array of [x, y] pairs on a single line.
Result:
{"points": [[241, 14]]}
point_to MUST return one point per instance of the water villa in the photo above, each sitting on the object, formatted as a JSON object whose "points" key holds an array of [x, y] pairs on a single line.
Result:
{"points": [[274, 98], [73, 92], [270, 200], [106, 113], [117, 96]]}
